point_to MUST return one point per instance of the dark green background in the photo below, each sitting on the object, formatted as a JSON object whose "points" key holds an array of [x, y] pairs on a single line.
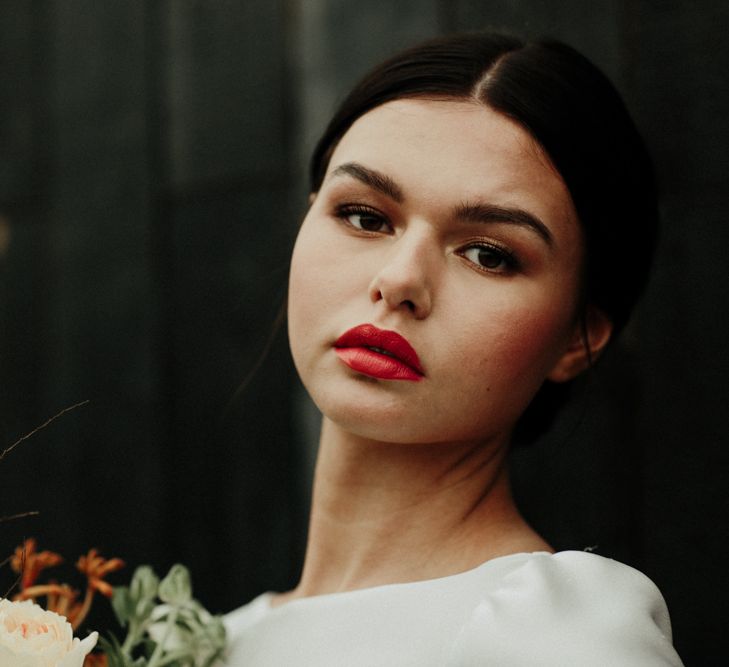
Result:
{"points": [[151, 180]]}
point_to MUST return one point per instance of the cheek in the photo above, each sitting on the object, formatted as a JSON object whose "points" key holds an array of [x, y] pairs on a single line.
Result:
{"points": [[305, 290], [501, 362], [516, 342], [330, 272], [320, 281], [311, 277]]}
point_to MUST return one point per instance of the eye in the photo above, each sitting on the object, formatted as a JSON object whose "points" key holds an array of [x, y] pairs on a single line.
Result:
{"points": [[490, 258], [364, 219]]}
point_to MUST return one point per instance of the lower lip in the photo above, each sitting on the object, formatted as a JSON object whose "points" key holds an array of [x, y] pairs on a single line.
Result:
{"points": [[376, 365]]}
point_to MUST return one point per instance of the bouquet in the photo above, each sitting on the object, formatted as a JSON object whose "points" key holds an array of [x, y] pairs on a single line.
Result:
{"points": [[165, 626]]}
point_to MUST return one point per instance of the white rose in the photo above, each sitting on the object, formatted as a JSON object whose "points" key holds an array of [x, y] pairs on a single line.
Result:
{"points": [[30, 636]]}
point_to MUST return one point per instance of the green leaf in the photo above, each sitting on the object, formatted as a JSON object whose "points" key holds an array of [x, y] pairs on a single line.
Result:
{"points": [[143, 610], [111, 645], [175, 588], [144, 584], [114, 654], [196, 637], [122, 604]]}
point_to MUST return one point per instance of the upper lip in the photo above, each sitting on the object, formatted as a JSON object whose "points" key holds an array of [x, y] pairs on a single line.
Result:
{"points": [[391, 342]]}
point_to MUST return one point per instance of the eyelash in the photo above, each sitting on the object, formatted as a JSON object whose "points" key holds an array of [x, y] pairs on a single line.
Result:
{"points": [[510, 262], [347, 211]]}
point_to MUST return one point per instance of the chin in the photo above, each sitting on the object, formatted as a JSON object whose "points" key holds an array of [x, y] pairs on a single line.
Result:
{"points": [[368, 422], [382, 421], [397, 422]]}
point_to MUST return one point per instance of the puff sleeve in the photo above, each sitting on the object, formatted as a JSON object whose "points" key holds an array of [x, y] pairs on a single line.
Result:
{"points": [[570, 608]]}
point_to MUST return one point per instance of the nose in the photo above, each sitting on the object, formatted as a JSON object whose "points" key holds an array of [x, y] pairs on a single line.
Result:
{"points": [[404, 282]]}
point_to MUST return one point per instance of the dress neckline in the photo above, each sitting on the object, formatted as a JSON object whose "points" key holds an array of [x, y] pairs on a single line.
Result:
{"points": [[265, 599]]}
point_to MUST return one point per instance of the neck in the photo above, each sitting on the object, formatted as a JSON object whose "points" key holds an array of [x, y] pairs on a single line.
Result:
{"points": [[386, 513]]}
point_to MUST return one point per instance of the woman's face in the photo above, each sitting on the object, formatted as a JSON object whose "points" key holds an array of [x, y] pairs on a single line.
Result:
{"points": [[442, 221]]}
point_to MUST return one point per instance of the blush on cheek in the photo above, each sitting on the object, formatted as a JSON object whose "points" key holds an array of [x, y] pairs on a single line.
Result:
{"points": [[520, 346], [541, 344]]}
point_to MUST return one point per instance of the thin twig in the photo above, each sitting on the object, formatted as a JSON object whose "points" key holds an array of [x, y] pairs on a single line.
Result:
{"points": [[13, 587], [21, 515], [20, 574], [41, 427]]}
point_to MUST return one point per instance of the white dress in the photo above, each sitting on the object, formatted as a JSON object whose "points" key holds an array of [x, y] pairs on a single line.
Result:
{"points": [[527, 609]]}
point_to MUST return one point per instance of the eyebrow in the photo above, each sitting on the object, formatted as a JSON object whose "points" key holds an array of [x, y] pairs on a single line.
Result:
{"points": [[375, 179], [469, 212], [489, 213]]}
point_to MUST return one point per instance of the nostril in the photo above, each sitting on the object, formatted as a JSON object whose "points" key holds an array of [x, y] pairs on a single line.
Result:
{"points": [[410, 305]]}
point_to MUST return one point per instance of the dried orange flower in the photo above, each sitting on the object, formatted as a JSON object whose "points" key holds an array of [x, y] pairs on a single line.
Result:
{"points": [[61, 598], [55, 594], [96, 568], [31, 563]]}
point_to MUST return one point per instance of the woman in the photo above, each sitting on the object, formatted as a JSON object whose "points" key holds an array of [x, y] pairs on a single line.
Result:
{"points": [[481, 223]]}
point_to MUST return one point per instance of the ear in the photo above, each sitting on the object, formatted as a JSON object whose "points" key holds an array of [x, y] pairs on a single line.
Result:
{"points": [[594, 335]]}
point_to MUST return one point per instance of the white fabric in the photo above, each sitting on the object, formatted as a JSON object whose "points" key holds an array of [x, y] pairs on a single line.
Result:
{"points": [[538, 609]]}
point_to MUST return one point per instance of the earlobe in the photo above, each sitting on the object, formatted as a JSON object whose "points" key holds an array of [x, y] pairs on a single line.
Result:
{"points": [[588, 342]]}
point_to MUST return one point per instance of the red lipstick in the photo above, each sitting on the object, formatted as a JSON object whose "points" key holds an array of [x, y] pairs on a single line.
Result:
{"points": [[378, 353]]}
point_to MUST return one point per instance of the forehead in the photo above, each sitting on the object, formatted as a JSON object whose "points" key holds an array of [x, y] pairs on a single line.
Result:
{"points": [[454, 150]]}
